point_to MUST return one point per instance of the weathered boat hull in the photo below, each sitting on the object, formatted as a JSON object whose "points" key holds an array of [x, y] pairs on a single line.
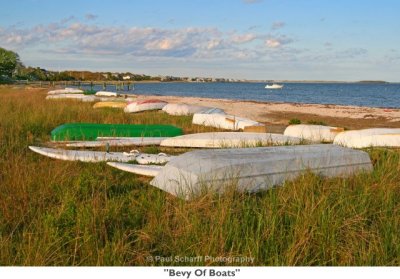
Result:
{"points": [[228, 139], [222, 121], [376, 137], [255, 169], [313, 133]]}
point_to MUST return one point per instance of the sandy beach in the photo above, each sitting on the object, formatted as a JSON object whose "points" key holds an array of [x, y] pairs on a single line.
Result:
{"points": [[278, 114]]}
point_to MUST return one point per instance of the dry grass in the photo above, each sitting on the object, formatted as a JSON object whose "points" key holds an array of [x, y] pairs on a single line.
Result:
{"points": [[70, 213]]}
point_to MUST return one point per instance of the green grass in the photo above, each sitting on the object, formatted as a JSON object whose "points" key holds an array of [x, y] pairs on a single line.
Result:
{"points": [[294, 121], [315, 122], [70, 213]]}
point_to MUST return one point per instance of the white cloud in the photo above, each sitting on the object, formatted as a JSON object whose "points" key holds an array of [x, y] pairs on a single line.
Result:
{"points": [[214, 43], [79, 41], [244, 38], [77, 37], [272, 43], [277, 42]]}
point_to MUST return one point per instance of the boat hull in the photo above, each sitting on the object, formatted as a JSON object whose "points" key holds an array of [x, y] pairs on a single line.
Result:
{"points": [[229, 140], [90, 131], [222, 121], [255, 169], [313, 133], [100, 156], [376, 137]]}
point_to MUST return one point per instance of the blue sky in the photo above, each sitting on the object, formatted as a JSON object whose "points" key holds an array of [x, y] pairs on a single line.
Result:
{"points": [[252, 39]]}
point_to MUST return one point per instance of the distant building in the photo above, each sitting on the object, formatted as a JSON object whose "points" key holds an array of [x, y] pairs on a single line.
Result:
{"points": [[126, 77]]}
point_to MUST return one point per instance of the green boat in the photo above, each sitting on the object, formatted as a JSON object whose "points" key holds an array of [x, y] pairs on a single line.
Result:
{"points": [[90, 131]]}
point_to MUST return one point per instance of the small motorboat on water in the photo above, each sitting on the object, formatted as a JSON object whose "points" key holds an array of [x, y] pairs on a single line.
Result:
{"points": [[274, 86]]}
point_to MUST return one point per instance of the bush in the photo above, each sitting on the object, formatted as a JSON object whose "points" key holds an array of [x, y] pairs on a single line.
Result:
{"points": [[314, 122], [294, 121]]}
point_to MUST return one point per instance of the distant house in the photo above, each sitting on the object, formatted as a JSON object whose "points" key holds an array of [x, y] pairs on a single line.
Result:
{"points": [[126, 77]]}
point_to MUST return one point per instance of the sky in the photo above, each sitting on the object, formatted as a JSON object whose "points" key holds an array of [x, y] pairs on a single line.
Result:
{"points": [[346, 40]]}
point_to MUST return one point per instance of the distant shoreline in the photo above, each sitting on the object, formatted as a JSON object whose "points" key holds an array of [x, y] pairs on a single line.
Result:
{"points": [[277, 81]]}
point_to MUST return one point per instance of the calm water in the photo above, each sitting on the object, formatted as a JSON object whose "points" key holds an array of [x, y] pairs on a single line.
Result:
{"points": [[373, 95]]}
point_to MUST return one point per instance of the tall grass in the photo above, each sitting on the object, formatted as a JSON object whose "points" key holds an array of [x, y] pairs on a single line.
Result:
{"points": [[70, 213]]}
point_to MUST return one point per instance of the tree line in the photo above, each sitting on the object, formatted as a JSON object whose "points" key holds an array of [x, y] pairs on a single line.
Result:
{"points": [[11, 69]]}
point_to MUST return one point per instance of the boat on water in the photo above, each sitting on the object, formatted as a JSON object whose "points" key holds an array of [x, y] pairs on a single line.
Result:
{"points": [[274, 86]]}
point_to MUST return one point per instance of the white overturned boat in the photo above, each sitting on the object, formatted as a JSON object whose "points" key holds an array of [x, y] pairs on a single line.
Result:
{"points": [[128, 141], [106, 94], [255, 169], [137, 169], [73, 96], [100, 156], [376, 137], [313, 133], [274, 86], [223, 121], [229, 140], [65, 91], [185, 109], [145, 105]]}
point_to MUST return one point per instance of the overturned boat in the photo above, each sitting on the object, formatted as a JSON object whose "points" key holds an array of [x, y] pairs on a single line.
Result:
{"points": [[118, 141], [101, 156], [313, 133], [90, 131], [229, 139], [145, 105], [223, 121], [374, 137], [66, 90], [186, 109], [255, 169]]}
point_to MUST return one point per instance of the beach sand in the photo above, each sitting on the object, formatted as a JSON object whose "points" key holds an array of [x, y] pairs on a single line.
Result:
{"points": [[277, 115]]}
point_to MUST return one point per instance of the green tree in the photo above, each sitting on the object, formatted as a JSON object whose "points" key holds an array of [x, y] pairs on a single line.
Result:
{"points": [[9, 61]]}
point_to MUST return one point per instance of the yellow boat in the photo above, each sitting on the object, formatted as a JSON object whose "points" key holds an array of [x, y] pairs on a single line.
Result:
{"points": [[110, 105]]}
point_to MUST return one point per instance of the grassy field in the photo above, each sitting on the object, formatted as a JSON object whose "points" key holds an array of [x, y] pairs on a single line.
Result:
{"points": [[70, 213]]}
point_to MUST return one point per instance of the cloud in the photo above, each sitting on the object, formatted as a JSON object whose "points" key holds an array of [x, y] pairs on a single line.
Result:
{"points": [[272, 43], [80, 40], [91, 16], [243, 38], [278, 25], [277, 42], [77, 37]]}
